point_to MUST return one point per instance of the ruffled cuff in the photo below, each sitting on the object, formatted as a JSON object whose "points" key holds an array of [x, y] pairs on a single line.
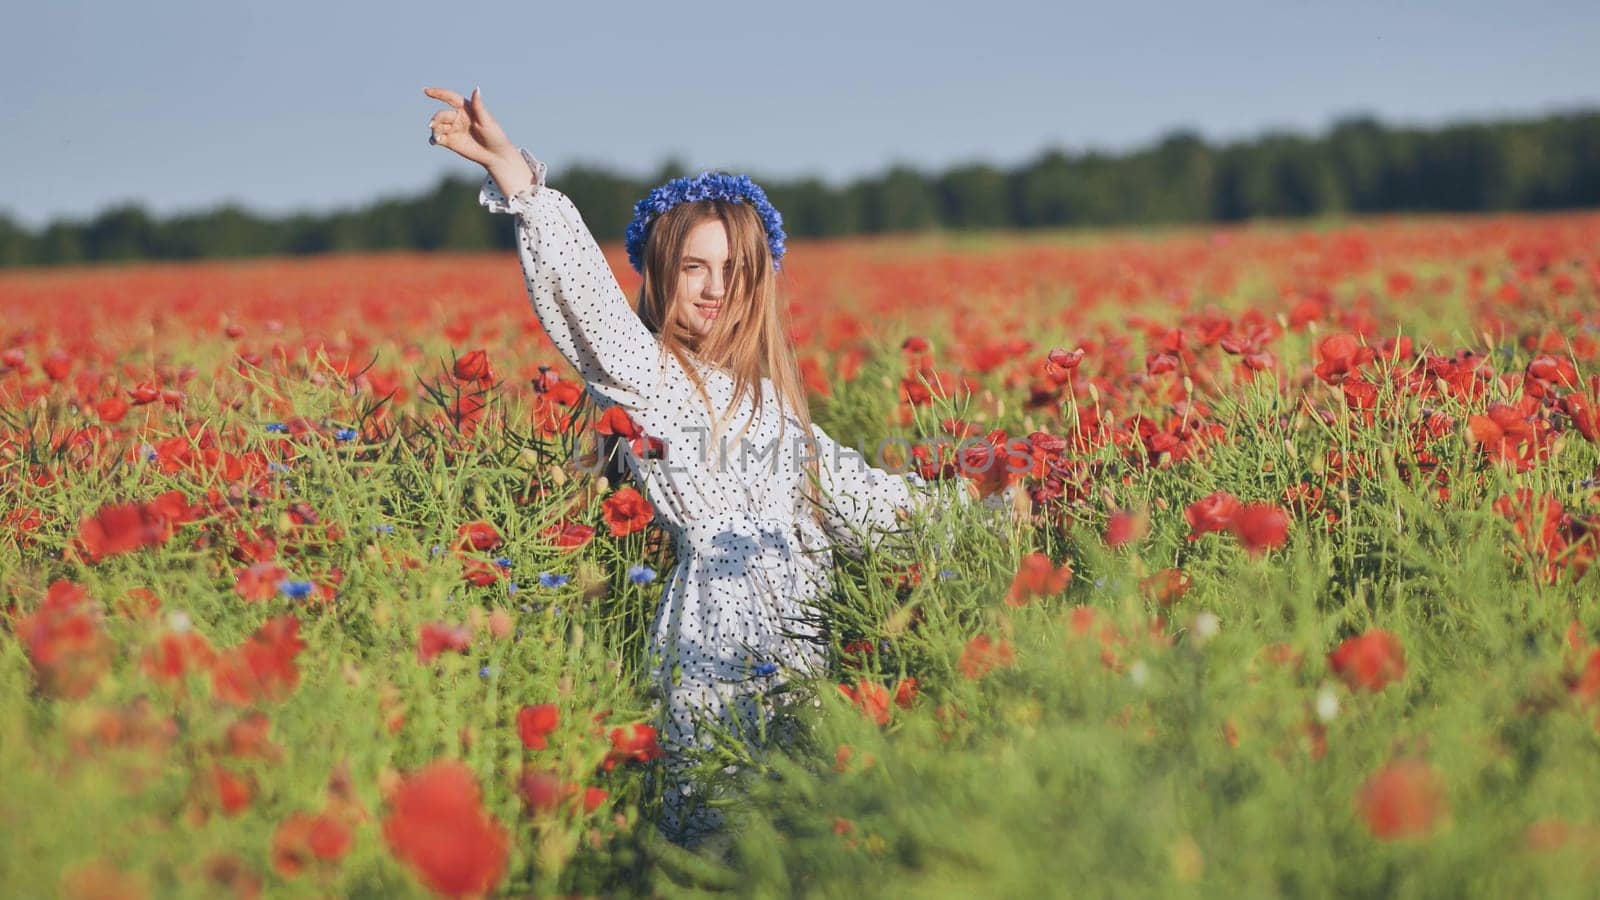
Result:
{"points": [[495, 200]]}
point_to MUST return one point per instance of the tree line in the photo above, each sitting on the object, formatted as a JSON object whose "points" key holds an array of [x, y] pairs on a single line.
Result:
{"points": [[1359, 165]]}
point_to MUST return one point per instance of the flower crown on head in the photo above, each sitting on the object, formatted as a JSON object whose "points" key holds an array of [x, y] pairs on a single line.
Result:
{"points": [[705, 186]]}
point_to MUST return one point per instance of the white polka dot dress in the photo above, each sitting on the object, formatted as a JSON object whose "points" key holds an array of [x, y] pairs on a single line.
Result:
{"points": [[734, 618]]}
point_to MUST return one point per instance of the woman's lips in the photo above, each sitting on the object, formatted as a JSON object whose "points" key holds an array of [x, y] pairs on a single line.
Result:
{"points": [[709, 310]]}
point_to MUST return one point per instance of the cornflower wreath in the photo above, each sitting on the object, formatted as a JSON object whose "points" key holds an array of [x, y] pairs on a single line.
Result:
{"points": [[705, 186]]}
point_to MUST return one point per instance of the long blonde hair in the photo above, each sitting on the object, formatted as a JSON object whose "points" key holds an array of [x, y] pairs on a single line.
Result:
{"points": [[747, 339]]}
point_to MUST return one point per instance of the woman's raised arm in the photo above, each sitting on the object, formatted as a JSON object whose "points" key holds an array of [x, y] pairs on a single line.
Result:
{"points": [[574, 293]]}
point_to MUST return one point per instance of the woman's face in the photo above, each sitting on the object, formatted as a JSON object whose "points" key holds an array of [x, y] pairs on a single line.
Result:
{"points": [[703, 273]]}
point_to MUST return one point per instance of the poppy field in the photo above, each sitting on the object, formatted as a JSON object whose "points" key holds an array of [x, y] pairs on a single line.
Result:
{"points": [[308, 586]]}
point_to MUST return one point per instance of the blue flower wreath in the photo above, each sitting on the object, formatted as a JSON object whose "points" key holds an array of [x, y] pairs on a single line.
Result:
{"points": [[705, 186]]}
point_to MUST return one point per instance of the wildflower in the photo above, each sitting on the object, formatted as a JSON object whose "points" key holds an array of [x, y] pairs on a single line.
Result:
{"points": [[437, 825], [1212, 512], [1037, 576], [1327, 705], [627, 511], [541, 791], [474, 366], [263, 667], [176, 653], [569, 535], [534, 724], [503, 562], [1405, 798], [295, 590], [1206, 626], [478, 535], [1369, 661], [1124, 528], [384, 528], [65, 642], [983, 654], [124, 527], [1260, 527], [766, 668], [869, 697], [636, 742], [437, 637], [1166, 586], [277, 428], [549, 580], [345, 434], [641, 574]]}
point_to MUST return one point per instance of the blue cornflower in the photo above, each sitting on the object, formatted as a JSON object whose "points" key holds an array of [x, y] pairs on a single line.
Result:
{"points": [[503, 562], [641, 574], [437, 549], [553, 581], [484, 672], [386, 528], [947, 573], [277, 428], [511, 587], [766, 668], [295, 590], [277, 467], [345, 434], [705, 186]]}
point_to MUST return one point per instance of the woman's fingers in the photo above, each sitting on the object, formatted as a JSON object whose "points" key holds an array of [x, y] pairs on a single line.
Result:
{"points": [[446, 95]]}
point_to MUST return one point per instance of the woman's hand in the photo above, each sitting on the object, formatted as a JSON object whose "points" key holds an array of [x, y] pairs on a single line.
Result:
{"points": [[468, 129]]}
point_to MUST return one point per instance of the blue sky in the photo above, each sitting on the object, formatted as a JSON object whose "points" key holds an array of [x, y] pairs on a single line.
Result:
{"points": [[294, 106]]}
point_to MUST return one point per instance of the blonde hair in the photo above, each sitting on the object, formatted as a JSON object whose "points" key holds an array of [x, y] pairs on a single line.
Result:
{"points": [[747, 339]]}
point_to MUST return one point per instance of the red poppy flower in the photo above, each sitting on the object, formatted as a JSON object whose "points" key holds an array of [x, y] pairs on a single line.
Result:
{"points": [[1124, 527], [534, 724], [263, 667], [124, 527], [1260, 527], [1369, 661], [233, 792], [1213, 512], [65, 642], [437, 825], [869, 697], [636, 742], [905, 692], [1339, 355], [983, 654], [437, 637], [303, 838], [478, 535], [542, 792], [1404, 799], [479, 573], [259, 581], [1166, 586], [111, 410], [175, 654], [474, 366], [569, 535], [1037, 576], [627, 511]]}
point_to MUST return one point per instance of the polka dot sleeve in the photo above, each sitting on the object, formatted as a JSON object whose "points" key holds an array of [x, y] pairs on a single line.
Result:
{"points": [[862, 504], [576, 296]]}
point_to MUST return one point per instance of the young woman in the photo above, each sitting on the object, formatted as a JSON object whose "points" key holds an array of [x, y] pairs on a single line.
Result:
{"points": [[753, 493]]}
